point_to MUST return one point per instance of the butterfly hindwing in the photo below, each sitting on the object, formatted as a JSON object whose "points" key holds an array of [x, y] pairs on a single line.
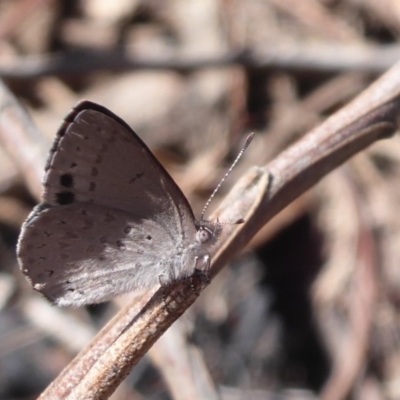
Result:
{"points": [[79, 253]]}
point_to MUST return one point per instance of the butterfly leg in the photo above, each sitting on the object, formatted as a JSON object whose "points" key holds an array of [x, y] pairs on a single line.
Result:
{"points": [[164, 280], [203, 264]]}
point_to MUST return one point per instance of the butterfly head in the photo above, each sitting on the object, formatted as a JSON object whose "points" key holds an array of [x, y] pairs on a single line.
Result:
{"points": [[208, 232]]}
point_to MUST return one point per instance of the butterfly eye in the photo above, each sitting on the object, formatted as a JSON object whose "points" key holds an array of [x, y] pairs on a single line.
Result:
{"points": [[204, 234]]}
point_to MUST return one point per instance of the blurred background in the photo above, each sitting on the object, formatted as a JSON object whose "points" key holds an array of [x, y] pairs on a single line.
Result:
{"points": [[311, 308]]}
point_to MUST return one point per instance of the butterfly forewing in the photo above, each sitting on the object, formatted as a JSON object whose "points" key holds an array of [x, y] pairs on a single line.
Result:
{"points": [[98, 159]]}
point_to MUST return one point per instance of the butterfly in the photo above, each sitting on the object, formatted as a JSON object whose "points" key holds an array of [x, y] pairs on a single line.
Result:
{"points": [[111, 220]]}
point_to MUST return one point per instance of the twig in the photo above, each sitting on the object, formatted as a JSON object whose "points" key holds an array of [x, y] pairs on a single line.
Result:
{"points": [[97, 370], [370, 117], [22, 140], [323, 57], [179, 360]]}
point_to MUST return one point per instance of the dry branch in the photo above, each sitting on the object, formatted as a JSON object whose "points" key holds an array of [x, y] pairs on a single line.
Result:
{"points": [[323, 57]]}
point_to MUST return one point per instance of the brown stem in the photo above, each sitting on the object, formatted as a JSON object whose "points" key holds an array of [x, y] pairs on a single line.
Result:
{"points": [[324, 57], [22, 140]]}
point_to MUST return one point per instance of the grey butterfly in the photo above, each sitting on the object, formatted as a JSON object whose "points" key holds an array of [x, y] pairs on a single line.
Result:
{"points": [[112, 219]]}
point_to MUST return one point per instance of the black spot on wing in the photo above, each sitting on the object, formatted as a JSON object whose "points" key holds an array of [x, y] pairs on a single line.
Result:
{"points": [[121, 245], [63, 198], [66, 180]]}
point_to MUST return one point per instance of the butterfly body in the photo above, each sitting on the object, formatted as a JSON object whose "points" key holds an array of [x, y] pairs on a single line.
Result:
{"points": [[112, 219]]}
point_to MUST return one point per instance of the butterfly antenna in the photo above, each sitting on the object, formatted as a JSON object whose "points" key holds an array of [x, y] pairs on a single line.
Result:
{"points": [[239, 156]]}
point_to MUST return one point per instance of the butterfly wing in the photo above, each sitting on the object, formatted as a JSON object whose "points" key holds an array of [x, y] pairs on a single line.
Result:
{"points": [[97, 158], [105, 195], [82, 253]]}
